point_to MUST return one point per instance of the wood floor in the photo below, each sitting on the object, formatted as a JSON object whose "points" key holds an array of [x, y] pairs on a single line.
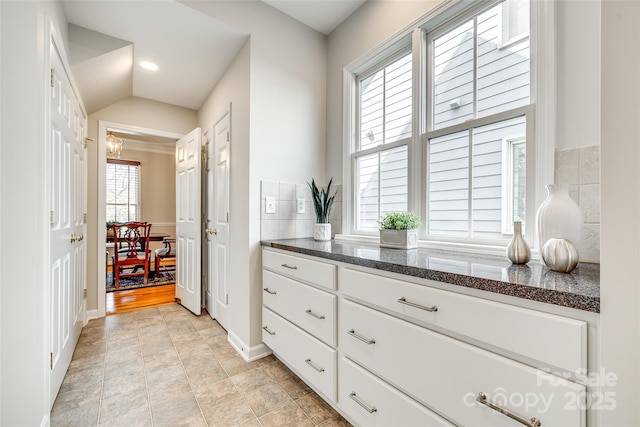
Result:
{"points": [[135, 299]]}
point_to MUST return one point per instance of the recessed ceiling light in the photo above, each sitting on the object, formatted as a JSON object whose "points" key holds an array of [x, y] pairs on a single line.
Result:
{"points": [[148, 65]]}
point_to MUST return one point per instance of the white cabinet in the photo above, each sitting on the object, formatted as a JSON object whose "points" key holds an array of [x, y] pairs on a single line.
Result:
{"points": [[447, 374], [386, 352], [550, 339]]}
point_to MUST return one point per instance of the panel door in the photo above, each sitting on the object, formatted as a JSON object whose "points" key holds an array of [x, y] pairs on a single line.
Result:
{"points": [[188, 221]]}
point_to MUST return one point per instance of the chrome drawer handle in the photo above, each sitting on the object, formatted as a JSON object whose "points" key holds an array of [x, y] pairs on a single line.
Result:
{"points": [[317, 316], [292, 267], [266, 328], [370, 409], [482, 398], [353, 333], [314, 366], [404, 301], [267, 290]]}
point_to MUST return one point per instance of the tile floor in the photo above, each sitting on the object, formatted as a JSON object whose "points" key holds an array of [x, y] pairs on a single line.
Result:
{"points": [[164, 366]]}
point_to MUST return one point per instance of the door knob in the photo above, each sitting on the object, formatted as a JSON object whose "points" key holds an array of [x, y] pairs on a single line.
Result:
{"points": [[211, 231]]}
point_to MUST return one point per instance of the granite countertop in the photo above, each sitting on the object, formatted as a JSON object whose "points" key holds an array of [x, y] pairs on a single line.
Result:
{"points": [[579, 289]]}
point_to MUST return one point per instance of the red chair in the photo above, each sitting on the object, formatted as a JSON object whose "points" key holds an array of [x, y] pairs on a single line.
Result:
{"points": [[131, 244], [166, 253]]}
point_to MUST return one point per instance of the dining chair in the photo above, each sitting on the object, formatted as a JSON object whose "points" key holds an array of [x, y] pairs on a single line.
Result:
{"points": [[166, 253], [129, 256]]}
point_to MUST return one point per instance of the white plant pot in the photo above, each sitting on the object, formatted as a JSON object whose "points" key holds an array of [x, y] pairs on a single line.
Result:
{"points": [[322, 232], [398, 239]]}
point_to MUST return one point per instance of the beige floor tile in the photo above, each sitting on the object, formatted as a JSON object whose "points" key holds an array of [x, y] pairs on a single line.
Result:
{"points": [[87, 379], [214, 394], [224, 352], [237, 365], [205, 375], [277, 371], [246, 382], [123, 407], [75, 399], [91, 362], [267, 399], [295, 387], [168, 387], [336, 421], [288, 416], [316, 409], [128, 385], [90, 350], [267, 359], [86, 415], [161, 359], [174, 409], [233, 413], [95, 323], [129, 363], [193, 421]]}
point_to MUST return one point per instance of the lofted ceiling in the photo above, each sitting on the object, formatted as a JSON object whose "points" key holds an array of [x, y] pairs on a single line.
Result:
{"points": [[108, 39]]}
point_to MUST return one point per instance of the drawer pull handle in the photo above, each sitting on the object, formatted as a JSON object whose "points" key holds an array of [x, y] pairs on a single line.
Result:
{"points": [[353, 333], [370, 409], [482, 398], [266, 328], [317, 316], [292, 267], [404, 301], [269, 291], [314, 366]]}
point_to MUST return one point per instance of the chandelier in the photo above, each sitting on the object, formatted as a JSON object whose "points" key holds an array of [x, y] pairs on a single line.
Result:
{"points": [[114, 146]]}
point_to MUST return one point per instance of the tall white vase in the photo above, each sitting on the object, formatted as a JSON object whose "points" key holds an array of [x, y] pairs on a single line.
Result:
{"points": [[559, 217]]}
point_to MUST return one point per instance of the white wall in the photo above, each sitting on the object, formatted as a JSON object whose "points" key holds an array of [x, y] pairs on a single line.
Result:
{"points": [[578, 77], [24, 338], [133, 111], [620, 254], [286, 131]]}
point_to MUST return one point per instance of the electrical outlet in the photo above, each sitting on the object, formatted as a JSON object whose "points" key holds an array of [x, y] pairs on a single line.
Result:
{"points": [[270, 205], [300, 206]]}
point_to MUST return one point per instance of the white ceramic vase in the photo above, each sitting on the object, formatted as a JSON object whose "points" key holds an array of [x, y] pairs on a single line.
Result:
{"points": [[518, 251], [560, 255], [559, 217], [322, 231]]}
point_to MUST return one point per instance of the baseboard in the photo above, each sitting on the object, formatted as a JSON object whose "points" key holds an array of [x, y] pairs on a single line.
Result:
{"points": [[90, 315], [45, 421], [249, 354]]}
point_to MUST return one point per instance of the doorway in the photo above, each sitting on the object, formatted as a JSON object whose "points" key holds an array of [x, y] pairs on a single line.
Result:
{"points": [[139, 140]]}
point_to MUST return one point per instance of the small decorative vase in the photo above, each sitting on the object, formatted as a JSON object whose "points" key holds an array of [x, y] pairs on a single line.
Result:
{"points": [[322, 231], [560, 255], [559, 217], [398, 239], [518, 251]]}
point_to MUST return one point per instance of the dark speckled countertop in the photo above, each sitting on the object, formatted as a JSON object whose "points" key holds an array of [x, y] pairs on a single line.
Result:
{"points": [[579, 289]]}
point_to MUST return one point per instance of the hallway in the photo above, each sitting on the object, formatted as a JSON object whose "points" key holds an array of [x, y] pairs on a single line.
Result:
{"points": [[163, 366]]}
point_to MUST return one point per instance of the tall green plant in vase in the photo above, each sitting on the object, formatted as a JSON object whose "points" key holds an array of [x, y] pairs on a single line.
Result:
{"points": [[322, 203]]}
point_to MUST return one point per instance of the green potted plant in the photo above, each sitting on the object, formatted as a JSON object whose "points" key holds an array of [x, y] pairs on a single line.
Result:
{"points": [[110, 229], [322, 203], [399, 230]]}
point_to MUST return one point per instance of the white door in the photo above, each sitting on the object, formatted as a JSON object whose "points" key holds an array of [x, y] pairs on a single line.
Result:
{"points": [[220, 276], [67, 220], [188, 223], [208, 189]]}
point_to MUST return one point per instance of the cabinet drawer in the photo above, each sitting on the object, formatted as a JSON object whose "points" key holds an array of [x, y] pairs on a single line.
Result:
{"points": [[314, 272], [370, 401], [312, 360], [447, 374], [309, 308], [554, 340]]}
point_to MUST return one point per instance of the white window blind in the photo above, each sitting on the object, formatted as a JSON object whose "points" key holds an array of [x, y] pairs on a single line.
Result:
{"points": [[123, 190], [384, 129]]}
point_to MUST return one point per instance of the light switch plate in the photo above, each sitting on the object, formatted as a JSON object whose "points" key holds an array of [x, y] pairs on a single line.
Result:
{"points": [[300, 206], [270, 205]]}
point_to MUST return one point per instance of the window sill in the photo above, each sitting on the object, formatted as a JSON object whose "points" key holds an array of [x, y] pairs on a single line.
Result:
{"points": [[497, 248]]}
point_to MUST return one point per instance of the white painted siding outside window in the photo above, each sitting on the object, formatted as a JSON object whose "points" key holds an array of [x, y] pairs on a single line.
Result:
{"points": [[475, 181], [123, 191], [384, 129]]}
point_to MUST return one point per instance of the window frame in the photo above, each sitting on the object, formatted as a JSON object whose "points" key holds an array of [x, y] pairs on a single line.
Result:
{"points": [[540, 127], [129, 163]]}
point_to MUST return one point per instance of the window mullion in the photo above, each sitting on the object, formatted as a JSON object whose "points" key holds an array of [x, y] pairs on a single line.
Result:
{"points": [[470, 184], [475, 67]]}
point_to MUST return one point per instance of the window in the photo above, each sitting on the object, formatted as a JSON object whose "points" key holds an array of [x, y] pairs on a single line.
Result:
{"points": [[123, 190], [384, 128], [481, 98], [476, 121]]}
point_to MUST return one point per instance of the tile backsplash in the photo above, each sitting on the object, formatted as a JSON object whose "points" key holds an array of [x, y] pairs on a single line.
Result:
{"points": [[579, 168], [286, 223]]}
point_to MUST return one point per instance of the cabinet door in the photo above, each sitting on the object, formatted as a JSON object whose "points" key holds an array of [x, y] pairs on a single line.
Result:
{"points": [[312, 360], [371, 402], [310, 309], [448, 375]]}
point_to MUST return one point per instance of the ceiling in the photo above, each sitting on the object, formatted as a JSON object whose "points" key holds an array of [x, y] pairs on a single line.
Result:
{"points": [[108, 39]]}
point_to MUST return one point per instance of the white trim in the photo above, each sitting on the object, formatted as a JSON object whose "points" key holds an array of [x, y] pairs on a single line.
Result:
{"points": [[163, 224], [103, 126], [45, 421], [91, 314], [150, 147], [249, 354]]}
